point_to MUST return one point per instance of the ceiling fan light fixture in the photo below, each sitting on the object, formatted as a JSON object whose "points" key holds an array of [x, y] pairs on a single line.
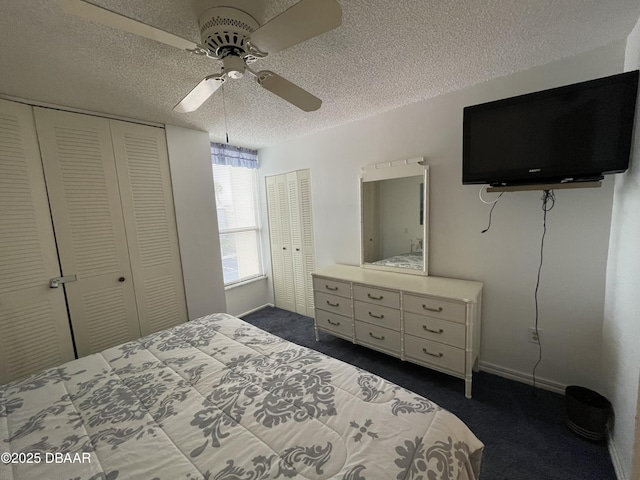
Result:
{"points": [[234, 66]]}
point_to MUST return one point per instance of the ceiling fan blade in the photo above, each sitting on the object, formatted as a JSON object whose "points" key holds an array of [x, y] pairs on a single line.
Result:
{"points": [[120, 22], [288, 91], [200, 93], [304, 20]]}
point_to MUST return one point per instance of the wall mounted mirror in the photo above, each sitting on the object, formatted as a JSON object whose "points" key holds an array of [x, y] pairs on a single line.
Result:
{"points": [[394, 199]]}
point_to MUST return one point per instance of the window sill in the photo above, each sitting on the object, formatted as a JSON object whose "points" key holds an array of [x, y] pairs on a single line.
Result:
{"points": [[245, 282]]}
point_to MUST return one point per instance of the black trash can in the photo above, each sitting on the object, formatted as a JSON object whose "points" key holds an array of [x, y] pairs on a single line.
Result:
{"points": [[587, 412]]}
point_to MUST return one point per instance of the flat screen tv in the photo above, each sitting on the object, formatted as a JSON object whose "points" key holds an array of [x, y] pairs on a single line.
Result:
{"points": [[577, 132]]}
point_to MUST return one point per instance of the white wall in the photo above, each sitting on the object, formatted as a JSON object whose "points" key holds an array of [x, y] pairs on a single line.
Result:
{"points": [[194, 200], [506, 258], [621, 331], [249, 297]]}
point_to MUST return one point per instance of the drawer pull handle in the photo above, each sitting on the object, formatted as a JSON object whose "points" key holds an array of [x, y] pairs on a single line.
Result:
{"points": [[377, 338], [439, 309], [427, 329], [374, 298], [438, 355], [332, 304], [381, 316], [333, 323], [333, 289]]}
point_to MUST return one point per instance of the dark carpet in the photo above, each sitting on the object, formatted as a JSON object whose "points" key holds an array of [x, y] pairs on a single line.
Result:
{"points": [[524, 433]]}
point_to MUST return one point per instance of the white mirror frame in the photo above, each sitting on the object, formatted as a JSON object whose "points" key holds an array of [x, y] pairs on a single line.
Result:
{"points": [[388, 171]]}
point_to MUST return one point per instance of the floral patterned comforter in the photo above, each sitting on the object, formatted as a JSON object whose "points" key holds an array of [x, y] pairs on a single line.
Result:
{"points": [[217, 398]]}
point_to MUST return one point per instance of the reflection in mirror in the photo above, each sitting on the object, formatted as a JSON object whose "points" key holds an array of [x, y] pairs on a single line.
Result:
{"points": [[395, 219]]}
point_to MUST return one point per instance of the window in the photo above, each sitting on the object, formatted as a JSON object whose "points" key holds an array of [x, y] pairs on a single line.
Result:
{"points": [[238, 213]]}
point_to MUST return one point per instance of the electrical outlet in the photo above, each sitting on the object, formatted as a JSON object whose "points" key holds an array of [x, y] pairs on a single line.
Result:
{"points": [[534, 336]]}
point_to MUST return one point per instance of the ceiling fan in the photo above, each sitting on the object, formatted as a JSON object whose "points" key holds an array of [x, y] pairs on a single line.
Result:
{"points": [[237, 39]]}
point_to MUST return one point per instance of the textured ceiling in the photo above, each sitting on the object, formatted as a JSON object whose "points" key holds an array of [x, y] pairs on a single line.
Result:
{"points": [[384, 55]]}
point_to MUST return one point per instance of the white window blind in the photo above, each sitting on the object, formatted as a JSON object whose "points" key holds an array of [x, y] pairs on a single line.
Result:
{"points": [[238, 222]]}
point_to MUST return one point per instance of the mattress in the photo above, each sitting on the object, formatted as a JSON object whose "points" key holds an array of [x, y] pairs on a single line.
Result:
{"points": [[404, 260], [217, 398]]}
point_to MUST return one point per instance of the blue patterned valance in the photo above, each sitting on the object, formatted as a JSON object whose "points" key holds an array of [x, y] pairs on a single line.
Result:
{"points": [[235, 156]]}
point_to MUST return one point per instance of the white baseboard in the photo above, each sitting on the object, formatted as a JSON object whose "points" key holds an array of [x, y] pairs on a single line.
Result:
{"points": [[615, 459], [522, 377], [255, 309]]}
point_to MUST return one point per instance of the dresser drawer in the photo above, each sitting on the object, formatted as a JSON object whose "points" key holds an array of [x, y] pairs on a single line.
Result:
{"points": [[333, 287], [342, 326], [386, 298], [378, 315], [434, 307], [334, 303], [435, 329], [378, 337], [432, 353]]}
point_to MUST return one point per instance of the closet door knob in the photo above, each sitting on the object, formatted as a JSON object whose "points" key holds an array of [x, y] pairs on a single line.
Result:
{"points": [[121, 279]]}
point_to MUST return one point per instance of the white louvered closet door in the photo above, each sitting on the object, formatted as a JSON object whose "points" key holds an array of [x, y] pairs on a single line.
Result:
{"points": [[275, 238], [291, 235], [296, 242], [283, 209], [34, 326], [308, 247], [295, 214], [87, 216], [147, 202]]}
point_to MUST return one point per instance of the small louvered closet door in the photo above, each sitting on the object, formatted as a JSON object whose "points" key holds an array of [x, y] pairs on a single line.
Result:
{"points": [[307, 244], [275, 240], [280, 235], [81, 178], [299, 189], [34, 326], [284, 211], [291, 235], [147, 203]]}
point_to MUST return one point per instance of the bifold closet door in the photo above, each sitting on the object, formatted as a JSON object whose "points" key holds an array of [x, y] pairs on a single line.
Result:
{"points": [[147, 202], [280, 240], [34, 326], [299, 190], [307, 244], [291, 236], [288, 301], [84, 196]]}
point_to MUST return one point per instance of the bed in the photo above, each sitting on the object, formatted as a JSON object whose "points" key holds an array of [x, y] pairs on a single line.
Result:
{"points": [[217, 398], [404, 260]]}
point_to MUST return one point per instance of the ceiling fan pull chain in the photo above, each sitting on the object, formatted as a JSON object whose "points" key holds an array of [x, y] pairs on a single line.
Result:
{"points": [[224, 112]]}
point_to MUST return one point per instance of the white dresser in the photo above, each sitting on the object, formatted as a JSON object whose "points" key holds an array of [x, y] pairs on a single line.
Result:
{"points": [[431, 321]]}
